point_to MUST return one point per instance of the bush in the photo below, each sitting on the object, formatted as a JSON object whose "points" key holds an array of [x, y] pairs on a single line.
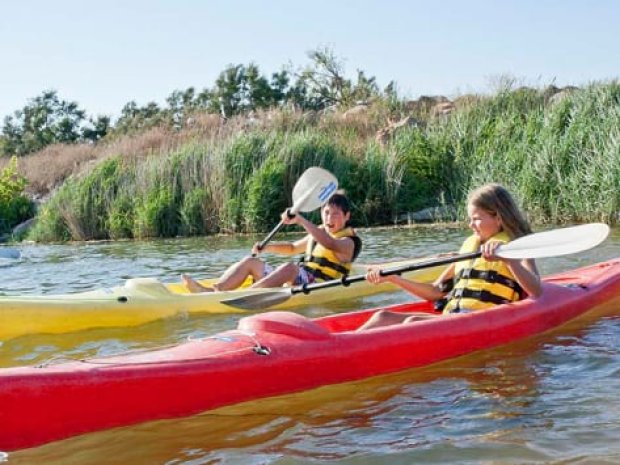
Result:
{"points": [[15, 207], [266, 199], [157, 215], [561, 160], [195, 213], [121, 218]]}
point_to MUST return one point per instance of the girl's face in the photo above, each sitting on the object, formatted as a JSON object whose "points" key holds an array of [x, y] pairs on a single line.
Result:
{"points": [[334, 219], [482, 223]]}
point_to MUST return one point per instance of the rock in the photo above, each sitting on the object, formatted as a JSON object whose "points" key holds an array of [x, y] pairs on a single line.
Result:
{"points": [[442, 110], [556, 97], [384, 135], [22, 228], [424, 104], [466, 100], [429, 215], [359, 109]]}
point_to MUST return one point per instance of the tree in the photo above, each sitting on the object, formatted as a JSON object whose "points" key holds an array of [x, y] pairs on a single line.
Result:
{"points": [[134, 118], [258, 93], [98, 130], [228, 91], [240, 88], [323, 84], [364, 89], [182, 103], [15, 207], [280, 89], [45, 120]]}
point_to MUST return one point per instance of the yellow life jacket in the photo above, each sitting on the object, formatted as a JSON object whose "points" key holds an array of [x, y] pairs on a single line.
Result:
{"points": [[481, 284], [323, 263]]}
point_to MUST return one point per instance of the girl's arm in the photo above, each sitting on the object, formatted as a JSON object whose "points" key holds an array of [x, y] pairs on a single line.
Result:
{"points": [[524, 271], [526, 275], [425, 291]]}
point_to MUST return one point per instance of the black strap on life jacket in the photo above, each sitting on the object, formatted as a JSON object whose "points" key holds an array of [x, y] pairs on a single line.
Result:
{"points": [[322, 261], [357, 248], [482, 296], [317, 273], [491, 276]]}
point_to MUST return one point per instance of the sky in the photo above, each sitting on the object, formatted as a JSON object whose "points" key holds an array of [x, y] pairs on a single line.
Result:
{"points": [[105, 54]]}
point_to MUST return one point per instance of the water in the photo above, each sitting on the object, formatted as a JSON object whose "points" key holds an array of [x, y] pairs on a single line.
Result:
{"points": [[547, 400]]}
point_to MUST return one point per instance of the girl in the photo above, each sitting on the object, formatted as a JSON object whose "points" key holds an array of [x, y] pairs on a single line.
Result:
{"points": [[479, 283]]}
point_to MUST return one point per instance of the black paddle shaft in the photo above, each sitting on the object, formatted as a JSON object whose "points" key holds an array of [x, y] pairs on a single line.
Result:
{"points": [[273, 232], [346, 280]]}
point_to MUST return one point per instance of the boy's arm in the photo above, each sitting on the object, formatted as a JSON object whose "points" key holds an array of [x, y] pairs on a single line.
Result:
{"points": [[343, 246], [284, 248]]}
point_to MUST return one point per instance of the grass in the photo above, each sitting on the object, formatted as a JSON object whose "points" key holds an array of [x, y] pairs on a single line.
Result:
{"points": [[560, 157]]}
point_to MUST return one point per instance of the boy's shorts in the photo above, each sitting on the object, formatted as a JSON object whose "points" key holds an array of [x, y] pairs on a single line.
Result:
{"points": [[303, 275]]}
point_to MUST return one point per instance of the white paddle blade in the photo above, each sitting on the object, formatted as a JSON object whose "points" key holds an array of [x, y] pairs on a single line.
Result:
{"points": [[313, 189], [556, 242]]}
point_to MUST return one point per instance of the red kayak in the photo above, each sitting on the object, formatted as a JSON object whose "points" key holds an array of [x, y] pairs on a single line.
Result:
{"points": [[274, 353]]}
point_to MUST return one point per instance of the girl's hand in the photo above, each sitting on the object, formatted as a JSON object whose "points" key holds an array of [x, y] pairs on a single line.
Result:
{"points": [[256, 250], [488, 250], [373, 275]]}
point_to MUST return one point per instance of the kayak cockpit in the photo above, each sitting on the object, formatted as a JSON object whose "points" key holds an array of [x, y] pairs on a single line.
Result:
{"points": [[301, 327], [284, 323]]}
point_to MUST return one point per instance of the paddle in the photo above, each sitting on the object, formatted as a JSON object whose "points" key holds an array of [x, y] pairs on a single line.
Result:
{"points": [[313, 189], [551, 243]]}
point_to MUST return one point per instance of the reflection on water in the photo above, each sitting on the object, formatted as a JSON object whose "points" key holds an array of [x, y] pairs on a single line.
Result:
{"points": [[551, 399]]}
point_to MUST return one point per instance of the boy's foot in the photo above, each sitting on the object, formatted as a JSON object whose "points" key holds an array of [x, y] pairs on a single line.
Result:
{"points": [[194, 286]]}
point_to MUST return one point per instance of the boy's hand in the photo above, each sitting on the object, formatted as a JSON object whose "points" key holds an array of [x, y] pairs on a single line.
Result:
{"points": [[289, 218], [256, 250]]}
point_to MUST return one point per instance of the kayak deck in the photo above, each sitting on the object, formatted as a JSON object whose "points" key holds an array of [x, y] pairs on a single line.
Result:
{"points": [[142, 300]]}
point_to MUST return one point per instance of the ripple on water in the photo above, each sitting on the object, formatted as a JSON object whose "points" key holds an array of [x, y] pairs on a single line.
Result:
{"points": [[550, 400]]}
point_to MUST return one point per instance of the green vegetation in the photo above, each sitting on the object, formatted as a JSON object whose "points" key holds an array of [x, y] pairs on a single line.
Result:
{"points": [[239, 89], [225, 159], [48, 120], [15, 207], [561, 159]]}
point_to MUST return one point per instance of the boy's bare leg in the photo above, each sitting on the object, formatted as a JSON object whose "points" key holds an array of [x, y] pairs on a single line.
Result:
{"points": [[194, 286], [283, 274], [232, 278]]}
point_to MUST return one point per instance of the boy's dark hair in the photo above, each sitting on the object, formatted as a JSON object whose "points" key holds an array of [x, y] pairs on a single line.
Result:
{"points": [[340, 200]]}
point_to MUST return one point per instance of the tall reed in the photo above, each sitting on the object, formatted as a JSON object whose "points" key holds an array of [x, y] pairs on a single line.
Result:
{"points": [[561, 159]]}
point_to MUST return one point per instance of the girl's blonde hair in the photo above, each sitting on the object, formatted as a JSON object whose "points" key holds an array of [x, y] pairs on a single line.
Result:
{"points": [[496, 200]]}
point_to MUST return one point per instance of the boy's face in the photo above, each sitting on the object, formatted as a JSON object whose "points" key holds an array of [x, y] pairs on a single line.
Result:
{"points": [[334, 219]]}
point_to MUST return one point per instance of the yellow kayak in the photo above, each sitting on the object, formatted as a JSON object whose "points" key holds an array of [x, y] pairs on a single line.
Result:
{"points": [[142, 300]]}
